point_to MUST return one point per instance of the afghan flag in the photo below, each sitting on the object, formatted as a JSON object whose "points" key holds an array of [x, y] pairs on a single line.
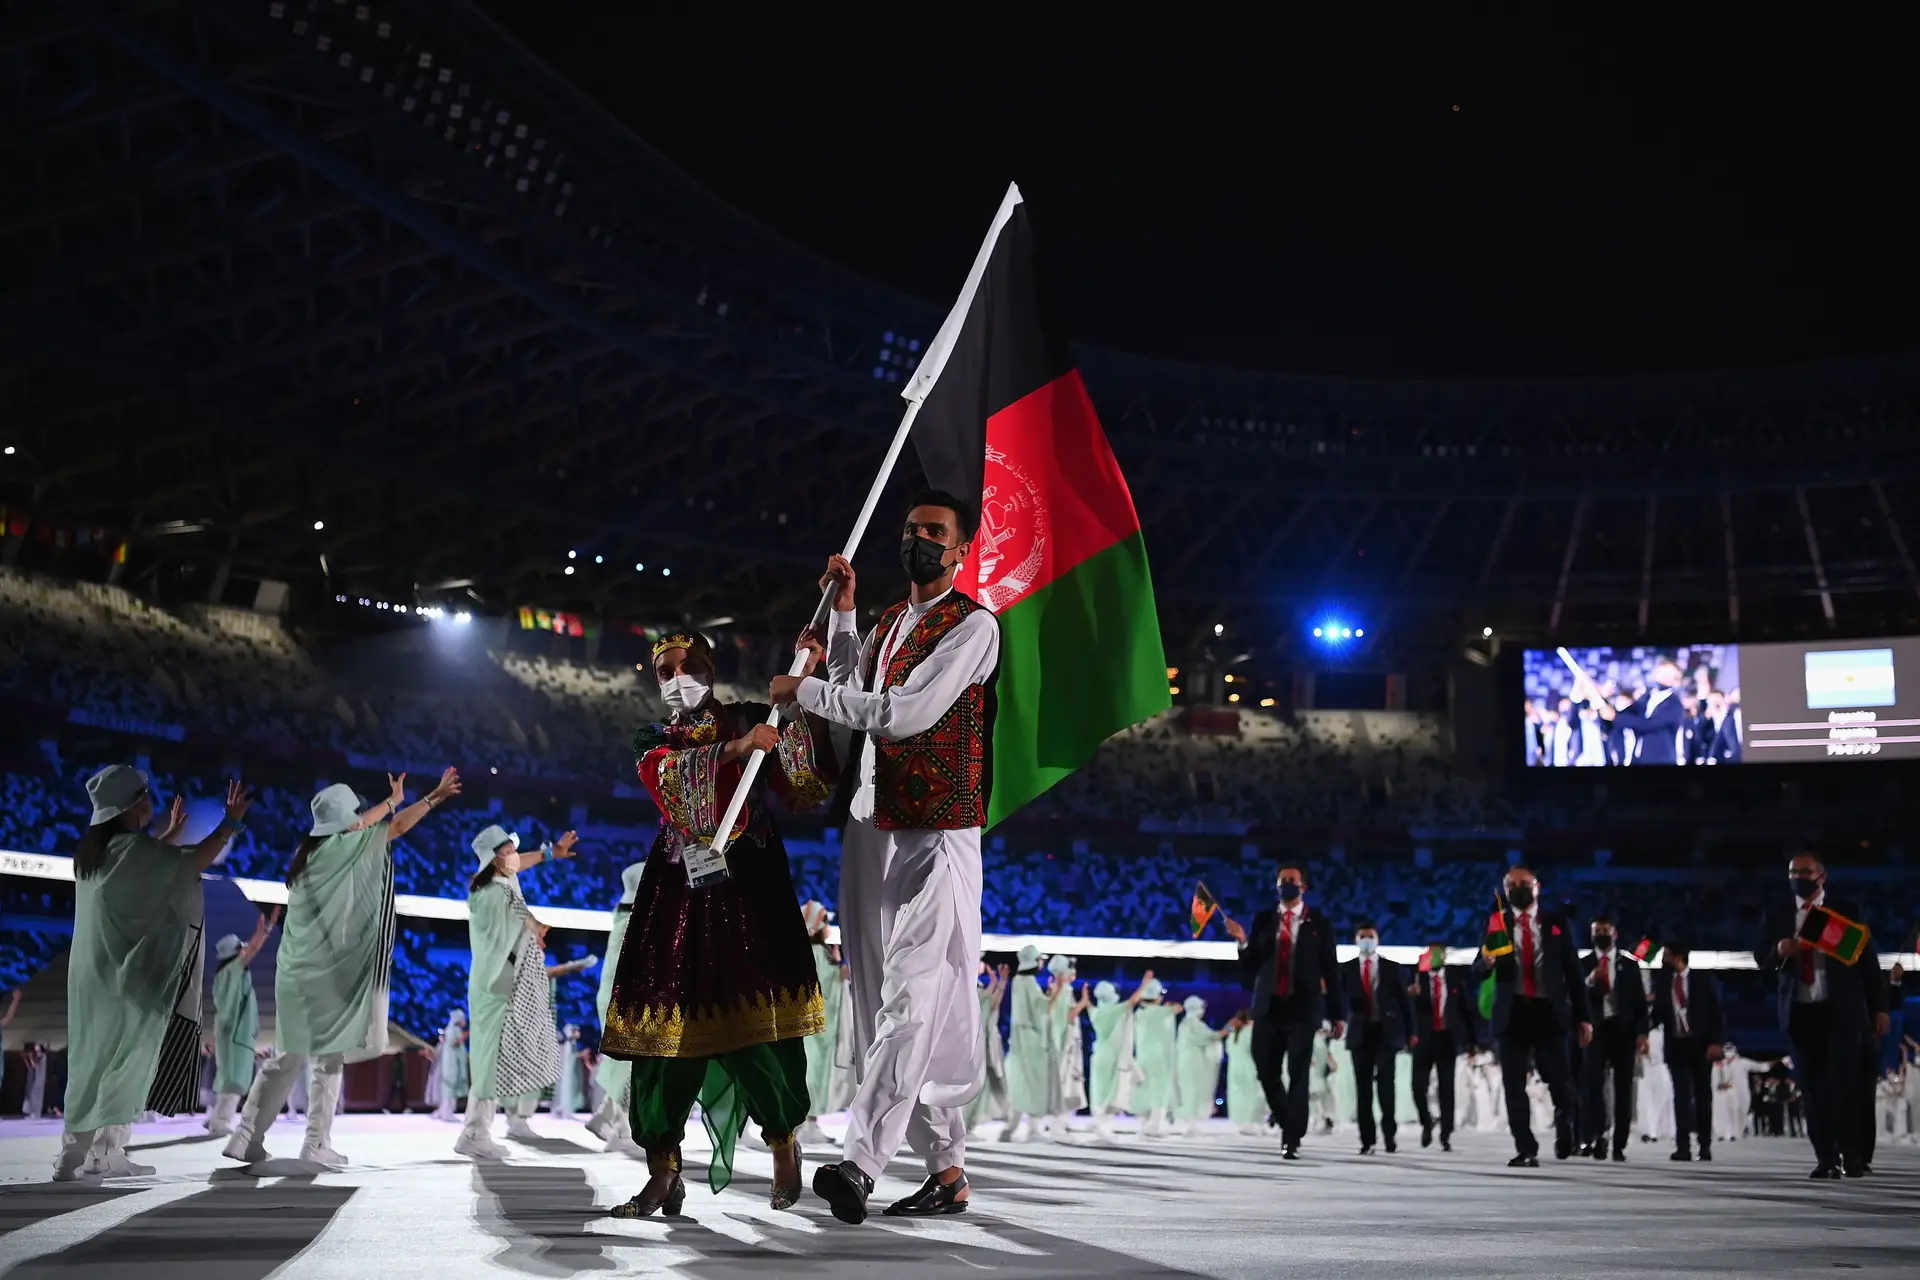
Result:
{"points": [[1498, 941], [1433, 960], [1004, 419], [1649, 951], [1486, 998], [1832, 933], [1204, 907]]}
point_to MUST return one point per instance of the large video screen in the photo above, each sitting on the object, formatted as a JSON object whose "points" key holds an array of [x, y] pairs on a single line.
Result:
{"points": [[1722, 704]]}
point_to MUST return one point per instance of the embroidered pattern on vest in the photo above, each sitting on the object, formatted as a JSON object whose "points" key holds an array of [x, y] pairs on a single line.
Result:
{"points": [[934, 780]]}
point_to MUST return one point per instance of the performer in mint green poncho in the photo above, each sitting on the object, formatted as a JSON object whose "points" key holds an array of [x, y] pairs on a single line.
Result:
{"points": [[615, 1075], [135, 971], [236, 1023], [330, 980], [1198, 1072], [1153, 1049], [1031, 1061], [515, 1056], [991, 1102], [451, 1078], [1246, 1100], [1114, 1073], [821, 1045]]}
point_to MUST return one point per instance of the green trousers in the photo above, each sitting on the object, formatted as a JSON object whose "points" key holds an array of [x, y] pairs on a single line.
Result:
{"points": [[764, 1082]]}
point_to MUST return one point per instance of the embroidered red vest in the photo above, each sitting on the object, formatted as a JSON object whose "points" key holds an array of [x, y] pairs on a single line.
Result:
{"points": [[936, 779]]}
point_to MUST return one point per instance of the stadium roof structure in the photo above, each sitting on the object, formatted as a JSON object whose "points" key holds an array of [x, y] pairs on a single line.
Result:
{"points": [[363, 297]]}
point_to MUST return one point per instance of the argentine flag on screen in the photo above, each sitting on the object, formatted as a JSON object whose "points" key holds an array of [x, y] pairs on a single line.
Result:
{"points": [[1854, 678]]}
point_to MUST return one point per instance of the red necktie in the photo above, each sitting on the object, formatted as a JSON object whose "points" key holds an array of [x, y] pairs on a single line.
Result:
{"points": [[1283, 957], [1439, 999], [1606, 977], [1528, 986], [1680, 1002], [1366, 988]]}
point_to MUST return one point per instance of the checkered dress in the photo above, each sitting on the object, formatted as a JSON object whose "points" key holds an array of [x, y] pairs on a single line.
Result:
{"points": [[529, 1043]]}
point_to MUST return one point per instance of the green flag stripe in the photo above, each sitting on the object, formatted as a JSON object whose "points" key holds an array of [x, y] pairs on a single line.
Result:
{"points": [[1080, 660]]}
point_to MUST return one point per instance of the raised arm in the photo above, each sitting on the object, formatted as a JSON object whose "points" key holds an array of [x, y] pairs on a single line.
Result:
{"points": [[13, 1004], [965, 656], [239, 800], [408, 818], [559, 850], [259, 938]]}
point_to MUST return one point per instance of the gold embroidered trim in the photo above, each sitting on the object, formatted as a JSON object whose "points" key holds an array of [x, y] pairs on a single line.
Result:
{"points": [[661, 1032], [806, 789]]}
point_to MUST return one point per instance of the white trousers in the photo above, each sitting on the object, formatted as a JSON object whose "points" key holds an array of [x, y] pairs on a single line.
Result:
{"points": [[910, 930]]}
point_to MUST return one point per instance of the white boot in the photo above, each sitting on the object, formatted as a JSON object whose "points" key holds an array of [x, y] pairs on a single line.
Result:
{"points": [[323, 1099], [517, 1127], [75, 1150], [269, 1093], [108, 1159], [1103, 1126], [602, 1124], [1063, 1126], [475, 1140], [811, 1134], [220, 1119]]}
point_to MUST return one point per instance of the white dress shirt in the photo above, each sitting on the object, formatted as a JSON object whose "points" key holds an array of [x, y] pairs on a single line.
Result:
{"points": [[1610, 999], [1816, 991], [1682, 1026], [965, 656]]}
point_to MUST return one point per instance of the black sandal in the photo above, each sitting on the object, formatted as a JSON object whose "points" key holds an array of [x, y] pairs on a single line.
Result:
{"points": [[933, 1199]]}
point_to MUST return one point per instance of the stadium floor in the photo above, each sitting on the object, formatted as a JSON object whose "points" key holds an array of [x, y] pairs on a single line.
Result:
{"points": [[1221, 1205]]}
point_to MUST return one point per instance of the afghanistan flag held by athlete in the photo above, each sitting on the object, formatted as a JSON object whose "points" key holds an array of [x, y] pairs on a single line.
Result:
{"points": [[1649, 952], [1832, 933], [1204, 907], [1058, 557], [1498, 941]]}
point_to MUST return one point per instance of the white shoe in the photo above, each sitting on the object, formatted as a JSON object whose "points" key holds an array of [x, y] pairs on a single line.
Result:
{"points": [[245, 1147], [479, 1146], [325, 1157], [621, 1145], [108, 1157], [811, 1134], [517, 1127], [751, 1139], [76, 1150]]}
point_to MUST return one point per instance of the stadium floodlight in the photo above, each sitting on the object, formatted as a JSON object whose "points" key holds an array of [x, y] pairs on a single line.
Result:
{"points": [[1219, 628], [1486, 633], [1358, 632], [639, 568], [573, 555], [666, 573], [599, 559], [9, 451], [463, 618], [318, 525], [1319, 632], [569, 571]]}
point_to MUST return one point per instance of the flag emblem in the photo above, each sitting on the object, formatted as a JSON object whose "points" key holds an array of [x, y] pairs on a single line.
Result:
{"points": [[1012, 543], [1851, 678], [1831, 933]]}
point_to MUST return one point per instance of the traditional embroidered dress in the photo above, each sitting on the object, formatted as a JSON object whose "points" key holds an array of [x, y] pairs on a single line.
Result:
{"points": [[916, 692], [716, 988]]}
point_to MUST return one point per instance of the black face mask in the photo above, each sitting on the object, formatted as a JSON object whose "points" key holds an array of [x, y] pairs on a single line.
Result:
{"points": [[922, 560], [1804, 887], [1521, 896], [1289, 891], [1603, 942]]}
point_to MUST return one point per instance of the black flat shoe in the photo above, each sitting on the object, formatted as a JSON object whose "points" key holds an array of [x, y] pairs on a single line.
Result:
{"points": [[1446, 1144], [1597, 1152], [845, 1188], [1291, 1153], [1366, 1150], [1823, 1172], [1391, 1148], [1620, 1156], [1706, 1155], [1683, 1157], [933, 1199], [1524, 1162], [1426, 1135]]}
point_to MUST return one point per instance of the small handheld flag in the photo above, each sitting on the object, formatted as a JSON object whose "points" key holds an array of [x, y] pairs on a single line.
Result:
{"points": [[1832, 934], [1649, 951], [1433, 959], [1498, 941], [1204, 909], [1486, 997]]}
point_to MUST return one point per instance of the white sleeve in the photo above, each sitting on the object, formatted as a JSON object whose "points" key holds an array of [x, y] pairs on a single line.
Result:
{"points": [[845, 649], [965, 656]]}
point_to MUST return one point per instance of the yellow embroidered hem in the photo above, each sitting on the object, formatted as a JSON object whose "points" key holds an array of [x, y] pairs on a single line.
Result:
{"points": [[661, 1032]]}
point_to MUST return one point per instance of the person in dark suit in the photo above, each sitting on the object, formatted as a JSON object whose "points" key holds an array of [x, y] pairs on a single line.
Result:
{"points": [[1619, 1003], [1828, 1009], [1723, 714], [1445, 1025], [1377, 996], [1686, 1007], [1538, 999], [1287, 955], [1655, 717]]}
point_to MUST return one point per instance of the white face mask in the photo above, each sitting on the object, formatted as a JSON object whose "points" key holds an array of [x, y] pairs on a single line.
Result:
{"points": [[1367, 945], [683, 692]]}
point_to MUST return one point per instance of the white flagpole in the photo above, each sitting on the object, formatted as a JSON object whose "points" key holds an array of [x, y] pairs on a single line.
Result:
{"points": [[707, 863]]}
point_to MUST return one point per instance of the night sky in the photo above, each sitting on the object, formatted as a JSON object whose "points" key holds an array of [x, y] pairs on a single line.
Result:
{"points": [[1644, 199]]}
